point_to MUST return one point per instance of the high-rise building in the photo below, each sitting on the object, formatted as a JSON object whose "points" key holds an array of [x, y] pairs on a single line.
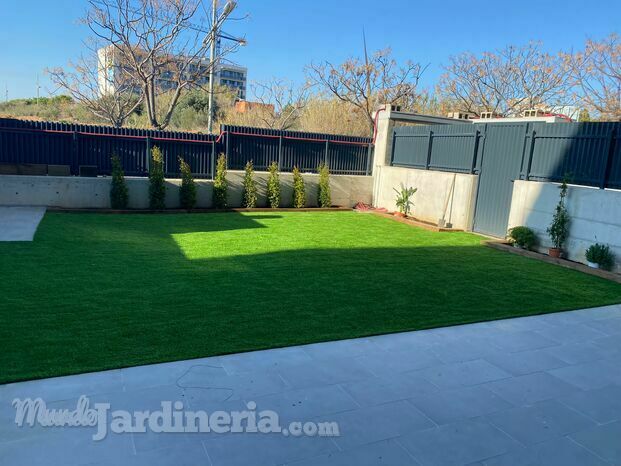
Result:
{"points": [[111, 76]]}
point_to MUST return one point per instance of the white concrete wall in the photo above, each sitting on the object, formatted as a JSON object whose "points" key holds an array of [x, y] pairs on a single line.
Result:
{"points": [[435, 197], [76, 192], [595, 216]]}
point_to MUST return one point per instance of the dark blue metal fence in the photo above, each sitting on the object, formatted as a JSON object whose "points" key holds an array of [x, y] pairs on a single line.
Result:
{"points": [[349, 155], [582, 153], [74, 146], [446, 148]]}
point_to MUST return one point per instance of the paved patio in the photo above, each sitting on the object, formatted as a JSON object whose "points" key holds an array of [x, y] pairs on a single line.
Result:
{"points": [[542, 390], [19, 223]]}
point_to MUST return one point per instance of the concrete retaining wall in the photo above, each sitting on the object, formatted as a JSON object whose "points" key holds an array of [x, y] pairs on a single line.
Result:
{"points": [[440, 194], [595, 216], [76, 192]]}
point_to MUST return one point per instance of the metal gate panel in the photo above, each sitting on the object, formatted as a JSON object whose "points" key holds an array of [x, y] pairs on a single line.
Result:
{"points": [[500, 165]]}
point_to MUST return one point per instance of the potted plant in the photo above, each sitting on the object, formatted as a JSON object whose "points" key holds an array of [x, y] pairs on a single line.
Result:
{"points": [[599, 256], [403, 201], [522, 237], [559, 228]]}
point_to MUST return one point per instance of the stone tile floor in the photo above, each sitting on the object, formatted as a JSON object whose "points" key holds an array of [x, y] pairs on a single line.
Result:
{"points": [[19, 223], [543, 390]]}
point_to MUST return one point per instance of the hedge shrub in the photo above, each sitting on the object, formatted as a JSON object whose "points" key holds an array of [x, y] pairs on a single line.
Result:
{"points": [[157, 186], [119, 195]]}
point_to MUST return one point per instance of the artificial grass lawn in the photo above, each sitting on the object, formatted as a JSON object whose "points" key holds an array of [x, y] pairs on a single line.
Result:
{"points": [[97, 292]]}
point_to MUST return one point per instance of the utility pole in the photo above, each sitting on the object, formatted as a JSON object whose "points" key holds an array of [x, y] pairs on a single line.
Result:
{"points": [[212, 61], [38, 89]]}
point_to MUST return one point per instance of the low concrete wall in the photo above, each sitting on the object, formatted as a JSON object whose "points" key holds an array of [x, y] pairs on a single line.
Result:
{"points": [[440, 194], [595, 216], [76, 192]]}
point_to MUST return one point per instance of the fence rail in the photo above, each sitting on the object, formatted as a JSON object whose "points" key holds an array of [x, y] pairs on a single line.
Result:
{"points": [[43, 144], [583, 153]]}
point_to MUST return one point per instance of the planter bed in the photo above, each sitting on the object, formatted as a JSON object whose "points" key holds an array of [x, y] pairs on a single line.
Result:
{"points": [[503, 246], [415, 222]]}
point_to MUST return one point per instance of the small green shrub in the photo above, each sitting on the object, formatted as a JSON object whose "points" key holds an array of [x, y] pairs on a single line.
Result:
{"points": [[250, 187], [220, 184], [600, 254], [403, 201], [524, 237], [299, 193], [157, 186], [559, 228], [187, 191], [273, 186], [324, 198], [119, 195]]}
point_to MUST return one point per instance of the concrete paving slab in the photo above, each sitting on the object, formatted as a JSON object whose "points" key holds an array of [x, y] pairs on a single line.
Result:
{"points": [[541, 390], [19, 223]]}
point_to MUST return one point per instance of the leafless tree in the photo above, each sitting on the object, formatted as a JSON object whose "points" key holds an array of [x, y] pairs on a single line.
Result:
{"points": [[597, 72], [158, 43], [284, 101], [507, 81], [85, 79], [366, 83]]}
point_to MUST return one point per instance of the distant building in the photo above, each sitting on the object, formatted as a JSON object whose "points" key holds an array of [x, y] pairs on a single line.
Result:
{"points": [[243, 106], [110, 75]]}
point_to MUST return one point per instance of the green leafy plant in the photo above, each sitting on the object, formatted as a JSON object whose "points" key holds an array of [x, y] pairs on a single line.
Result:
{"points": [[324, 198], [522, 236], [273, 186], [119, 195], [299, 193], [600, 254], [403, 199], [220, 184], [157, 186], [250, 187], [187, 191], [559, 228]]}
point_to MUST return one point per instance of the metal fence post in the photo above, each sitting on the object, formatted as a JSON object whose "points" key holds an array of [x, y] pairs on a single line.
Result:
{"points": [[226, 147], [531, 151], [74, 153], [476, 150], [429, 149], [609, 156], [148, 154], [280, 152], [325, 157]]}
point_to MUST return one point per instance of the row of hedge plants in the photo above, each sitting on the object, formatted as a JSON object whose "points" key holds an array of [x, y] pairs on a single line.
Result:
{"points": [[273, 189], [119, 194]]}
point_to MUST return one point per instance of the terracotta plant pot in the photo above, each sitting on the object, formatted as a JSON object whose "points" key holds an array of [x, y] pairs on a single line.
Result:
{"points": [[555, 252], [399, 214]]}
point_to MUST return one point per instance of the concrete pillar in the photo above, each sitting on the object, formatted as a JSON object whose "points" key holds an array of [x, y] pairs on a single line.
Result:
{"points": [[383, 148]]}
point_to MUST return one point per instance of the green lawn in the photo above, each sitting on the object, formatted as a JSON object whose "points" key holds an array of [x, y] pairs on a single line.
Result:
{"points": [[97, 292]]}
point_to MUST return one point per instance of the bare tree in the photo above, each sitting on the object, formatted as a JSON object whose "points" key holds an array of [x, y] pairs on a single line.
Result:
{"points": [[597, 71], [507, 81], [158, 44], [327, 114], [284, 98], [88, 83], [367, 83]]}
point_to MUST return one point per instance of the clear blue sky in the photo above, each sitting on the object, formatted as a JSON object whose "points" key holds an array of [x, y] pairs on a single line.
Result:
{"points": [[283, 35]]}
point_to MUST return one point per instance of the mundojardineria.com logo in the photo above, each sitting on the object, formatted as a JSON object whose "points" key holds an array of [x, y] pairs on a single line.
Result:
{"points": [[172, 417]]}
